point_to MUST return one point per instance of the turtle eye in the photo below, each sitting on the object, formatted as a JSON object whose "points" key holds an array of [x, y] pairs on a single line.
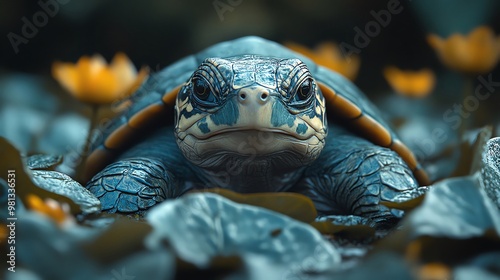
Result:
{"points": [[305, 90], [203, 92], [201, 89]]}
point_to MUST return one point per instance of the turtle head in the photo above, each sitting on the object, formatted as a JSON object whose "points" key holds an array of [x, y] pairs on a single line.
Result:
{"points": [[252, 110]]}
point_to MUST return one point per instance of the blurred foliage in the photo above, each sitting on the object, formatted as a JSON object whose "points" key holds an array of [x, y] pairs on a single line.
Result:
{"points": [[156, 33]]}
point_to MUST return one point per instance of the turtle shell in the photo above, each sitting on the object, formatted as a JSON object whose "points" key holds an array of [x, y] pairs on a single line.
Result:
{"points": [[153, 104]]}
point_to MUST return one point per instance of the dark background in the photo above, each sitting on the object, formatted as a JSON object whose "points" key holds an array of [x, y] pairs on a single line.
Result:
{"points": [[156, 33]]}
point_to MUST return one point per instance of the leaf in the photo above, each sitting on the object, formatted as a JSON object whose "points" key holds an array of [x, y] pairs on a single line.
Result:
{"points": [[470, 154], [23, 184], [490, 170], [44, 162], [294, 205], [121, 238], [355, 232], [43, 246], [62, 184], [455, 222], [407, 200], [200, 226], [455, 208]]}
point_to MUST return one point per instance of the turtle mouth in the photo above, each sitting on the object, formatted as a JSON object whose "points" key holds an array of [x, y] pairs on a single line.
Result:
{"points": [[250, 142], [279, 148], [261, 133]]}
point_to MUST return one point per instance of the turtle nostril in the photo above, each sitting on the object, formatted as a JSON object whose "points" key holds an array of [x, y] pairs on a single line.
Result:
{"points": [[264, 96]]}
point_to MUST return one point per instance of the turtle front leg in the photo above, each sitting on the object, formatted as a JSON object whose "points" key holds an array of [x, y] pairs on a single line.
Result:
{"points": [[353, 176], [143, 176], [132, 185]]}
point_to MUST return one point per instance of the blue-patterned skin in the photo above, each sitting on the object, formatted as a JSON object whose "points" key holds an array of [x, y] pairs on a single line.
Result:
{"points": [[251, 133]]}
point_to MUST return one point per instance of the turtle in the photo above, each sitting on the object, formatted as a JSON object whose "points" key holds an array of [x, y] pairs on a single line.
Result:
{"points": [[250, 115]]}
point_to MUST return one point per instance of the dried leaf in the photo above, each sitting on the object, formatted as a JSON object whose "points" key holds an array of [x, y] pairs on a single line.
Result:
{"points": [[470, 154], [121, 238], [294, 205], [23, 184], [43, 162], [407, 200], [200, 226], [355, 232]]}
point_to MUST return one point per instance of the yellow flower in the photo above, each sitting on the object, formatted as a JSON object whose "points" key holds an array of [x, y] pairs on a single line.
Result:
{"points": [[4, 233], [329, 55], [433, 270], [414, 84], [92, 81], [51, 208], [476, 53]]}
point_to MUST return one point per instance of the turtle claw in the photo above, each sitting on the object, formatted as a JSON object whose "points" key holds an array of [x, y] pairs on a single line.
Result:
{"points": [[130, 186], [382, 222], [345, 220]]}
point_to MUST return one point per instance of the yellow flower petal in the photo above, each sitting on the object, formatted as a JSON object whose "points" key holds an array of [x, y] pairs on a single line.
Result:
{"points": [[141, 76], [92, 81], [328, 54], [4, 233], [124, 71], [67, 75], [414, 84], [301, 49], [477, 52], [434, 271], [51, 209]]}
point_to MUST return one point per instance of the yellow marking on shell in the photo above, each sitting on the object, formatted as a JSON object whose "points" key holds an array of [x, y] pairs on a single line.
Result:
{"points": [[170, 97], [95, 162], [127, 133], [341, 106], [118, 138], [371, 129], [422, 177], [146, 116], [405, 153]]}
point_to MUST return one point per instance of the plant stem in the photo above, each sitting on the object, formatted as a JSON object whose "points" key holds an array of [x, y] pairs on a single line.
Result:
{"points": [[86, 148], [467, 91]]}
